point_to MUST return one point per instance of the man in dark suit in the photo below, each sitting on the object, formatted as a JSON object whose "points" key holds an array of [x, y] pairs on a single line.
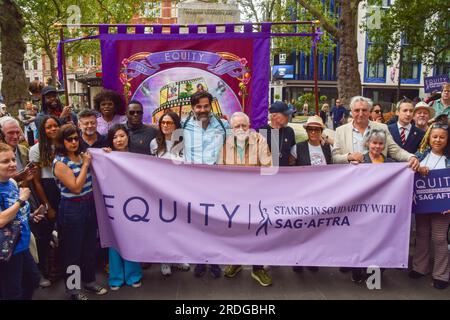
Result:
{"points": [[406, 134]]}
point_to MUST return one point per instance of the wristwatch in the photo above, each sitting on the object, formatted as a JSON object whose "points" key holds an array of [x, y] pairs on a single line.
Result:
{"points": [[21, 203]]}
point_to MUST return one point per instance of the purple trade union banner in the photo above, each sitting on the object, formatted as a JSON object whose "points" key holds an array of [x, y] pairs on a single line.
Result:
{"points": [[432, 193], [152, 210]]}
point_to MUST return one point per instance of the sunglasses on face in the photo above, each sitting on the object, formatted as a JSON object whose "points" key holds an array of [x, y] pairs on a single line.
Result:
{"points": [[315, 130], [72, 139], [167, 123], [138, 112]]}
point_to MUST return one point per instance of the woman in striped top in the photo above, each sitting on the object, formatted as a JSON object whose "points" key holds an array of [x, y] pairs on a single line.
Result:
{"points": [[76, 216]]}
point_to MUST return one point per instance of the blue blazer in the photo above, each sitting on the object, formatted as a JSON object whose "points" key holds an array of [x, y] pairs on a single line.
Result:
{"points": [[412, 142]]}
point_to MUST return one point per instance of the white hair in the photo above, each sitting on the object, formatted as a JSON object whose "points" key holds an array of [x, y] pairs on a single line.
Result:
{"points": [[5, 120], [237, 115], [356, 99], [375, 134]]}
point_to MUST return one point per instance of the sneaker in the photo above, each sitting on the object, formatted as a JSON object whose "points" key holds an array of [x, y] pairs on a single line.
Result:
{"points": [[78, 296], [44, 283], [440, 284], [165, 269], [97, 289], [232, 271], [145, 265], [215, 270], [262, 277], [415, 275], [183, 266], [297, 269], [359, 275], [137, 284], [200, 270], [114, 288]]}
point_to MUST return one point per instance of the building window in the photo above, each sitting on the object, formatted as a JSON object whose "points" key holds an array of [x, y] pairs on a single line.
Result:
{"points": [[35, 64], [93, 61], [375, 60], [411, 66], [80, 61], [36, 78], [152, 9], [26, 65]]}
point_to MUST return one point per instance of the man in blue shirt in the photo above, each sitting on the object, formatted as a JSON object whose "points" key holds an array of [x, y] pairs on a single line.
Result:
{"points": [[338, 113], [204, 135]]}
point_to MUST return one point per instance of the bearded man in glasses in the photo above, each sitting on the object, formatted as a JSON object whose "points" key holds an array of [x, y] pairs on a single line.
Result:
{"points": [[140, 134]]}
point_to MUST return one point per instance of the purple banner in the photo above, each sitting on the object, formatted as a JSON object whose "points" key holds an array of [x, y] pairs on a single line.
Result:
{"points": [[435, 83], [340, 215], [432, 193], [162, 71], [151, 64]]}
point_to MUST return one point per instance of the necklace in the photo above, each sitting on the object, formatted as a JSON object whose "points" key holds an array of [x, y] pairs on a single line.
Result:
{"points": [[437, 162]]}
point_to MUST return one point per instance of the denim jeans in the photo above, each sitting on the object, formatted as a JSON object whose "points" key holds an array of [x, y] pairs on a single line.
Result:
{"points": [[77, 223], [19, 277]]}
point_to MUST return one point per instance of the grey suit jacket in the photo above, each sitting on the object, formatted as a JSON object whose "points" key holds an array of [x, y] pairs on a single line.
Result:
{"points": [[343, 144]]}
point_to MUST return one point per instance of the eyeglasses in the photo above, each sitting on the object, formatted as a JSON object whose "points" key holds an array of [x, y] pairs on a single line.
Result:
{"points": [[137, 112], [167, 123], [72, 139], [315, 130]]}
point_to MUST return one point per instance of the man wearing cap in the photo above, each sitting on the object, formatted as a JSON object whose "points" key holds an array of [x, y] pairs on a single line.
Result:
{"points": [[312, 152], [404, 132], [51, 105], [422, 114], [279, 136], [349, 140]]}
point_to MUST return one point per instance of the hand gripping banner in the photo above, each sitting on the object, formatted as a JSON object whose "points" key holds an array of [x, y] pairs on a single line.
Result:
{"points": [[152, 210]]}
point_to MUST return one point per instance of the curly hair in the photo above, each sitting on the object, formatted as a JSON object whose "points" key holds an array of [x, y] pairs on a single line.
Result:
{"points": [[109, 95]]}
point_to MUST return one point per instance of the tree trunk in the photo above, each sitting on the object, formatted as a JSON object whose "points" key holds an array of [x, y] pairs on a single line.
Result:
{"points": [[13, 48], [53, 71], [349, 80]]}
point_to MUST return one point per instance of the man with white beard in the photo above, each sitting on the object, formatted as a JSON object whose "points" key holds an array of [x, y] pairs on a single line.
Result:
{"points": [[422, 114], [87, 121], [245, 147]]}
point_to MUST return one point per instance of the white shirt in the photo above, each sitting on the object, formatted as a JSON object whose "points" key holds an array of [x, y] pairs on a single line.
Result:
{"points": [[46, 172], [358, 140], [171, 153], [407, 129], [433, 161], [316, 155]]}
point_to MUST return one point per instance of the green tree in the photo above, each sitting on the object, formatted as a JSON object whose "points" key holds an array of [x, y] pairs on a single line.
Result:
{"points": [[41, 16], [423, 25], [14, 83], [340, 29]]}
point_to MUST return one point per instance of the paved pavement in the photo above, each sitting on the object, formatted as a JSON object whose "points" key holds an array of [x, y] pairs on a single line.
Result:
{"points": [[327, 283]]}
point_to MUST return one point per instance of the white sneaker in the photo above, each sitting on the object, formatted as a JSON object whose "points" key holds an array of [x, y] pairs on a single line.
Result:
{"points": [[137, 284], [165, 269], [183, 266], [114, 288]]}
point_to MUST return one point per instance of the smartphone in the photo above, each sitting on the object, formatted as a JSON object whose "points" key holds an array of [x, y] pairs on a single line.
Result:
{"points": [[30, 165]]}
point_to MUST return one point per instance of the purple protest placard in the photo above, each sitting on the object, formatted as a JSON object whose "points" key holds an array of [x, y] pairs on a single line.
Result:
{"points": [[432, 193], [435, 83], [152, 210]]}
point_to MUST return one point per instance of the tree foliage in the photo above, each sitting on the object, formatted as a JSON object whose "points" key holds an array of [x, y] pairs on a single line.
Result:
{"points": [[424, 27]]}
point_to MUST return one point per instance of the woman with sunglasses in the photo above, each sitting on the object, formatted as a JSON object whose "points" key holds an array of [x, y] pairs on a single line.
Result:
{"points": [[433, 157], [76, 215], [120, 270], [167, 146], [376, 113]]}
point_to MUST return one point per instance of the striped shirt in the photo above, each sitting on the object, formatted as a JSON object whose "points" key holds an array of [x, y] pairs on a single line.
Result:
{"points": [[76, 168]]}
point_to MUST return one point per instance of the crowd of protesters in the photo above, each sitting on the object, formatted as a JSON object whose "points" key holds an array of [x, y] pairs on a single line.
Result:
{"points": [[47, 189]]}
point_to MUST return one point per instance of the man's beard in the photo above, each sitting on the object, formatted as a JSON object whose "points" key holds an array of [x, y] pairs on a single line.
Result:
{"points": [[241, 135]]}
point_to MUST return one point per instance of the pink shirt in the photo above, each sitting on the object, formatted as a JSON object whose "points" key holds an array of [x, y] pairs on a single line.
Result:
{"points": [[103, 126]]}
